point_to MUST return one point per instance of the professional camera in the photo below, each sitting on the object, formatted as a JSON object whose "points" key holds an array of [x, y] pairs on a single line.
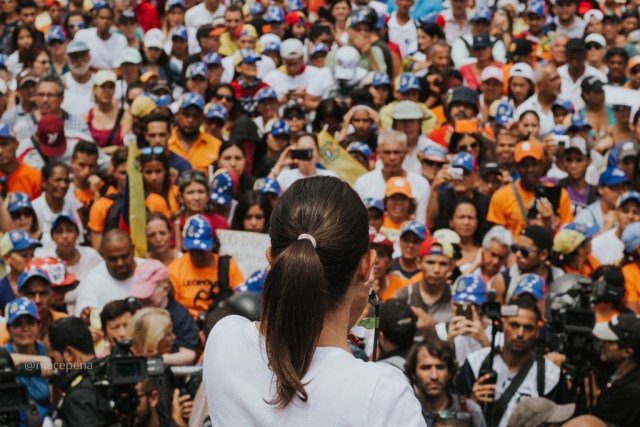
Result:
{"points": [[188, 379], [13, 396]]}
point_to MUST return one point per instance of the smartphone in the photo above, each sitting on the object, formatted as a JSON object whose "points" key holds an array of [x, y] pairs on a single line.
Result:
{"points": [[456, 173], [561, 140], [466, 126], [550, 193], [302, 154], [465, 310]]}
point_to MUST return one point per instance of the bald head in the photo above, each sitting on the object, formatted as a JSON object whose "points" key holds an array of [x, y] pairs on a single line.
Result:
{"points": [[584, 421], [115, 235], [118, 253]]}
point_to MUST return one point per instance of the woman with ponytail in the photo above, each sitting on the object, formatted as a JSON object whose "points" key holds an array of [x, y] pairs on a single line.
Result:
{"points": [[294, 367]]}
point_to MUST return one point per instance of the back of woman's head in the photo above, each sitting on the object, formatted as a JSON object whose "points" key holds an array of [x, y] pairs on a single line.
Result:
{"points": [[147, 328], [308, 280]]}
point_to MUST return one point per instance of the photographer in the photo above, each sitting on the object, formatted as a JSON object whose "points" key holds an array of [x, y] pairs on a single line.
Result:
{"points": [[68, 342], [608, 283], [519, 371], [618, 402]]}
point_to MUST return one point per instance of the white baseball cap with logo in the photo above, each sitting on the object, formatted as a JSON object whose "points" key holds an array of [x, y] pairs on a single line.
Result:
{"points": [[291, 48], [347, 61]]}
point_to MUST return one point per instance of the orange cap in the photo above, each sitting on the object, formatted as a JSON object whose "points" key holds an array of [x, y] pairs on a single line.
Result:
{"points": [[528, 149], [217, 32], [398, 185]]}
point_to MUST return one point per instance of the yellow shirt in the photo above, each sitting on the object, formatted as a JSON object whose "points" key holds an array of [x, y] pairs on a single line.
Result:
{"points": [[202, 153], [227, 46]]}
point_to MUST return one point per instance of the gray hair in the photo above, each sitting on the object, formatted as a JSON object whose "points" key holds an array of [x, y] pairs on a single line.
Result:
{"points": [[497, 234], [390, 135], [542, 72], [50, 78]]}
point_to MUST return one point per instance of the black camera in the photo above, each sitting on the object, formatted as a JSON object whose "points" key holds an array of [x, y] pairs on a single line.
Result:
{"points": [[188, 379], [13, 396]]}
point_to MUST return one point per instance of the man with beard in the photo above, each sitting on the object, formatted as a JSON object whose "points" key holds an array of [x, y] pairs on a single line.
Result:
{"points": [[431, 368], [199, 148], [520, 372], [79, 81]]}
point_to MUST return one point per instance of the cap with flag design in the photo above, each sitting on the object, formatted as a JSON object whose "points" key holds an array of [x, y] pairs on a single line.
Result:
{"points": [[504, 113], [530, 284], [21, 307], [274, 15], [414, 227], [407, 82], [191, 99], [30, 274], [280, 127], [469, 288], [56, 271], [434, 152], [465, 161], [180, 31], [212, 58], [55, 34], [222, 187], [266, 93], [267, 185], [215, 111], [197, 234], [17, 240], [483, 13], [360, 147], [197, 69], [628, 196], [17, 201], [372, 203], [612, 176]]}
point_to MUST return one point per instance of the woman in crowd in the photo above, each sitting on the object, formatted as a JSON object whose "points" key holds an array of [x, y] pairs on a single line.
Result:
{"points": [[160, 238], [364, 120], [57, 44], [225, 95], [194, 193], [155, 59], [276, 140], [399, 204], [521, 83], [23, 37], [23, 216], [465, 223], [328, 114], [107, 122], [483, 53], [75, 21], [38, 59], [469, 142], [232, 157], [529, 124], [428, 34], [378, 84], [252, 213], [179, 45], [156, 175], [340, 10]]}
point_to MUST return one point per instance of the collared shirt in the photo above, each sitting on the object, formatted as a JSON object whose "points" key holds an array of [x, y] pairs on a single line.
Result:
{"points": [[202, 153], [451, 28], [546, 119], [572, 90]]}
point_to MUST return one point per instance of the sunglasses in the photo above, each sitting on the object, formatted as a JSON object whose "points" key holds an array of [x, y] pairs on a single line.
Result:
{"points": [[431, 163], [619, 108], [229, 98], [294, 116], [22, 213], [147, 151], [449, 414], [524, 251], [469, 147], [591, 46], [188, 177], [79, 25]]}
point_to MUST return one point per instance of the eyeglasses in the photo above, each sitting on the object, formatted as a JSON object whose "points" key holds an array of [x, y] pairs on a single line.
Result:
{"points": [[47, 95], [78, 25], [619, 108], [147, 151], [22, 213], [469, 147], [294, 116], [449, 414], [524, 251], [229, 98], [591, 46]]}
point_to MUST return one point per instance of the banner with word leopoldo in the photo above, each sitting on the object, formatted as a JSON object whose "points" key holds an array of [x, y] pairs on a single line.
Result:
{"points": [[247, 249]]}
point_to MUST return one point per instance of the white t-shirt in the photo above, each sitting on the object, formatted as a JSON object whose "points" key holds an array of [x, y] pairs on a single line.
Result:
{"points": [[99, 288], [45, 216], [287, 177], [372, 184], [199, 15], [77, 96], [283, 83], [405, 36], [104, 53], [342, 390], [546, 119], [263, 67], [607, 247], [572, 91]]}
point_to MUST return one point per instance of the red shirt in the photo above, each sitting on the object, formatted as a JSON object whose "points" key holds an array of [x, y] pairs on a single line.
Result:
{"points": [[147, 15]]}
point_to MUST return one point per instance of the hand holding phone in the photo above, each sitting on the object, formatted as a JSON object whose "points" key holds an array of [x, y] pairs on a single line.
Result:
{"points": [[305, 154]]}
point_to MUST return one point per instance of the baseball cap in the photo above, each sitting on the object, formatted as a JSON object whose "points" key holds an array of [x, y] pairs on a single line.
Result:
{"points": [[130, 56], [246, 56], [30, 274], [633, 63], [192, 99], [50, 134], [462, 95], [104, 76], [612, 176], [295, 17], [596, 38], [414, 227], [482, 14], [180, 31], [361, 15], [628, 196], [246, 30], [488, 168], [622, 327], [469, 288], [17, 201], [215, 32], [530, 284], [593, 14], [569, 238], [347, 60], [465, 161], [100, 4], [504, 113], [397, 320], [377, 78], [592, 84], [537, 411], [631, 237], [175, 3], [406, 82], [406, 110], [541, 236], [578, 143], [212, 58], [627, 149], [518, 48], [267, 185], [434, 152], [146, 277], [154, 38], [398, 185], [26, 75], [371, 203], [481, 41], [6, 132], [222, 187], [536, 8], [270, 43], [215, 111], [578, 122], [62, 217], [21, 306], [197, 69], [435, 246], [564, 104], [55, 33], [17, 240], [360, 147], [197, 234], [319, 48], [56, 272], [274, 14], [522, 69], [76, 46], [291, 48], [266, 93], [142, 106], [492, 72], [280, 127], [127, 15], [256, 8], [526, 149]]}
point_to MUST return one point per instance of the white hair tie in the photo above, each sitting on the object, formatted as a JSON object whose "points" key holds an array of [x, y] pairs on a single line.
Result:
{"points": [[309, 238]]}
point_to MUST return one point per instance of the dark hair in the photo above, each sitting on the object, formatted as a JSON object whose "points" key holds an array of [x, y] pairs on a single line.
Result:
{"points": [[305, 284], [528, 304], [440, 421], [85, 147], [235, 108], [248, 199], [477, 235], [157, 117], [152, 216], [32, 54], [70, 332], [113, 310], [326, 109], [530, 92], [27, 4], [69, 15], [119, 156], [457, 137], [163, 158], [50, 78], [48, 168], [16, 33], [432, 29], [234, 7], [616, 51], [436, 348], [189, 177], [228, 144]]}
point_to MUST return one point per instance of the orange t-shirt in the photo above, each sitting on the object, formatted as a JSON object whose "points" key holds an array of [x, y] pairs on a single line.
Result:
{"points": [[202, 153], [504, 208], [98, 212], [396, 282], [188, 281], [84, 196], [24, 180], [587, 269], [631, 273]]}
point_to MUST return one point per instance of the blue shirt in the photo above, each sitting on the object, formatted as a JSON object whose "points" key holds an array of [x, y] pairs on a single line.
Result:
{"points": [[178, 163], [184, 327], [6, 293]]}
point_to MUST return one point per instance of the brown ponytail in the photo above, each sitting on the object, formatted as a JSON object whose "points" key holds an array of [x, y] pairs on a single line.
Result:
{"points": [[306, 283]]}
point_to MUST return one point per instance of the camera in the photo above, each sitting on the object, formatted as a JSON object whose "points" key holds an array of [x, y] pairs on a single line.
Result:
{"points": [[13, 396], [456, 173], [188, 379]]}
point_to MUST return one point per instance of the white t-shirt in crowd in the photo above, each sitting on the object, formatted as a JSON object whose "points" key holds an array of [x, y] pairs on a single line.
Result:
{"points": [[199, 15], [372, 184], [607, 247], [287, 177], [572, 91], [104, 53], [342, 390], [77, 96], [263, 67], [405, 36], [282, 83], [99, 288], [546, 119], [45, 216]]}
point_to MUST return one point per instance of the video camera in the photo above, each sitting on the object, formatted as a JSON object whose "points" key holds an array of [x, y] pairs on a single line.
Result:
{"points": [[13, 396]]}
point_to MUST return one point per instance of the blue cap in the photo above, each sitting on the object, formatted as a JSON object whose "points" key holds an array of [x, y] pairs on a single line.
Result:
{"points": [[274, 14], [21, 240], [192, 99], [408, 82], [481, 41], [631, 237], [536, 7], [372, 203], [378, 78], [17, 201], [293, 5], [180, 31], [248, 56], [530, 284], [435, 153], [578, 121], [267, 185], [31, 273], [504, 113], [197, 69], [430, 18], [254, 283], [469, 288], [319, 48], [280, 127], [628, 196], [99, 4], [222, 188], [414, 227], [55, 33], [465, 161], [612, 176], [564, 104], [256, 8], [197, 234], [63, 216], [360, 147], [483, 13], [266, 93], [215, 111], [175, 3], [359, 16], [5, 131], [20, 307], [212, 59], [587, 231], [558, 130], [160, 100], [271, 46]]}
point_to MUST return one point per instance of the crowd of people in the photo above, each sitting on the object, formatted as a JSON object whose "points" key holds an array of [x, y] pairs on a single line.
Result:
{"points": [[495, 146]]}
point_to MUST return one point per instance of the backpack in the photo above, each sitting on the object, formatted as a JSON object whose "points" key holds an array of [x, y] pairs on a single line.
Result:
{"points": [[224, 290], [112, 220]]}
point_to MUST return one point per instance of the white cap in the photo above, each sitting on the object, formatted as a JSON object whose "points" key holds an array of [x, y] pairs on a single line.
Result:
{"points": [[269, 38], [347, 60], [522, 69], [578, 143], [596, 38], [291, 48], [154, 38], [406, 110], [593, 14], [492, 72]]}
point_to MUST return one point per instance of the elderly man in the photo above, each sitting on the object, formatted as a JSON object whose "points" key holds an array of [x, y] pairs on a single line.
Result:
{"points": [[80, 80], [392, 149], [548, 84]]}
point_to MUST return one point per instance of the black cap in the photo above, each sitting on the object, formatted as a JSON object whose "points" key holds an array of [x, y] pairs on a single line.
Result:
{"points": [[127, 16], [541, 236], [576, 45], [397, 322], [487, 168], [480, 41], [627, 328], [611, 17], [520, 47], [203, 31], [592, 84], [462, 95]]}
